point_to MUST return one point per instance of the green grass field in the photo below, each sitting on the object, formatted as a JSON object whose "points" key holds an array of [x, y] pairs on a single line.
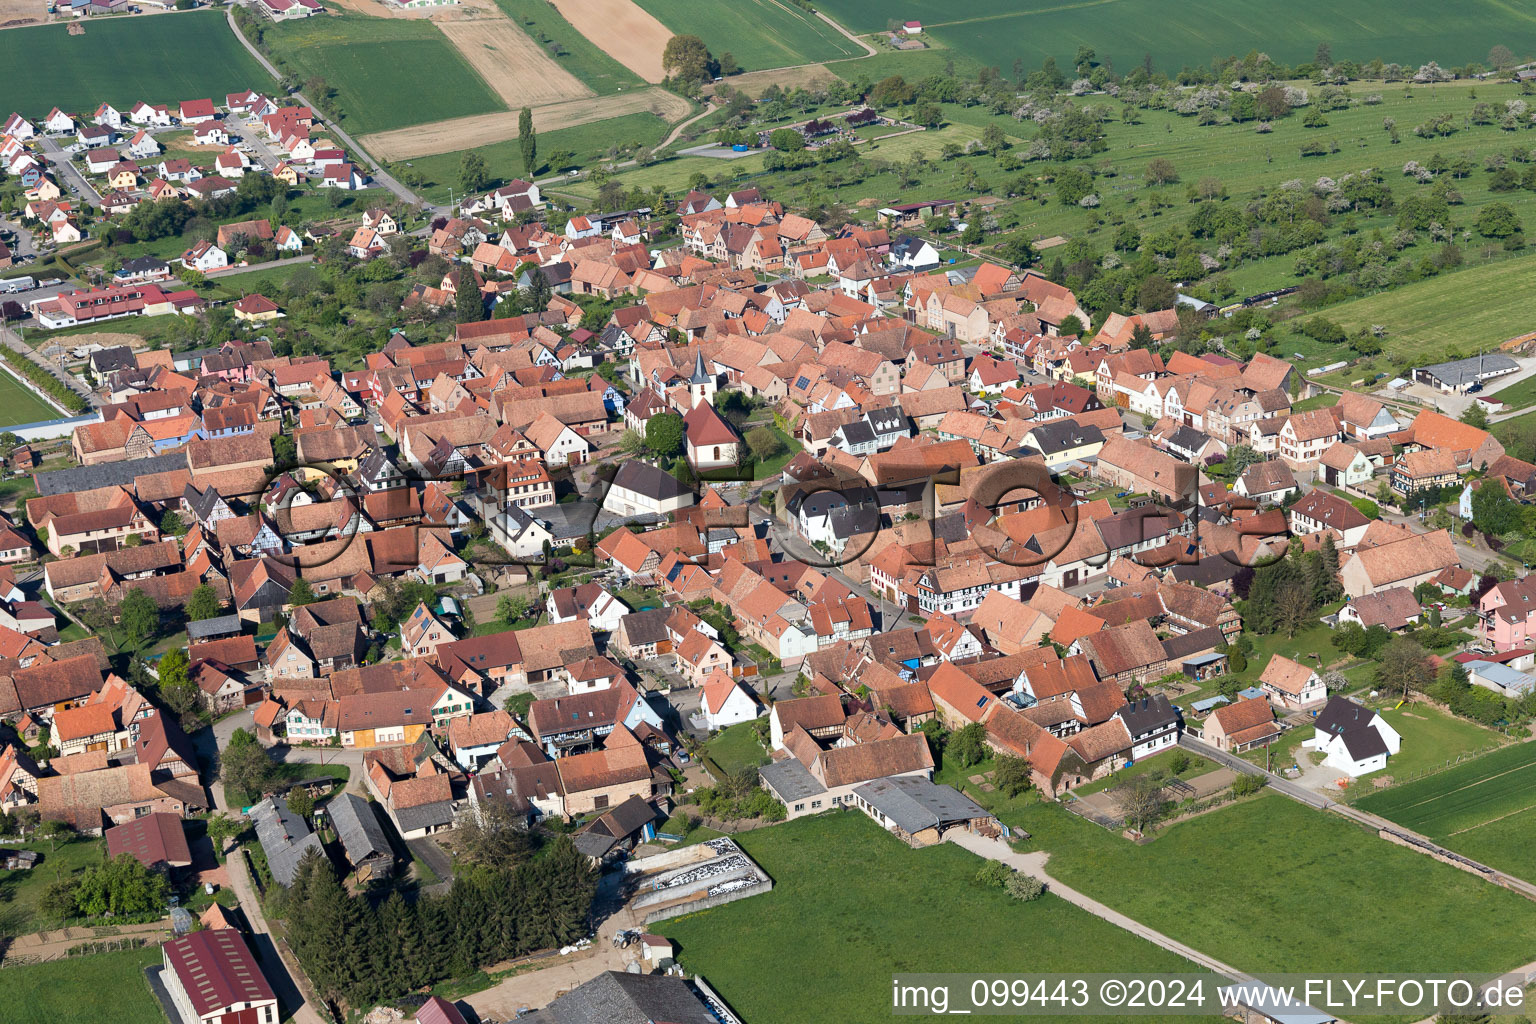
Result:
{"points": [[368, 62], [736, 747], [852, 904], [1468, 310], [21, 890], [1318, 892], [121, 61], [997, 32], [79, 990], [760, 34], [19, 405], [572, 50], [1432, 737], [1480, 808], [586, 142]]}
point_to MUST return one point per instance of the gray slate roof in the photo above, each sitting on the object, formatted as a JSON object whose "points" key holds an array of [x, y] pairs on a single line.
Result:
{"points": [[284, 838], [791, 780], [616, 998], [912, 803], [108, 474], [222, 625], [358, 826]]}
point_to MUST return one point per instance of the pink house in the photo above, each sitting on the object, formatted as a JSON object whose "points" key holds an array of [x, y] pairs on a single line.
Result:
{"points": [[1508, 612]]}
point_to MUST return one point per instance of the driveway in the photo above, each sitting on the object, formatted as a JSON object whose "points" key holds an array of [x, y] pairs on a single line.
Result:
{"points": [[436, 858]]}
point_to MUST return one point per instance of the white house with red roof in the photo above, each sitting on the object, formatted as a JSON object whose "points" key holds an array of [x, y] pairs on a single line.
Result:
{"points": [[205, 256], [197, 111], [58, 122], [343, 176], [288, 10], [18, 127], [726, 702], [108, 115], [712, 443], [912, 28], [212, 976], [580, 227], [154, 114]]}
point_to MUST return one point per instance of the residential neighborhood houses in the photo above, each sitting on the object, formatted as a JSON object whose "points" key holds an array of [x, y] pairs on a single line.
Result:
{"points": [[683, 526]]}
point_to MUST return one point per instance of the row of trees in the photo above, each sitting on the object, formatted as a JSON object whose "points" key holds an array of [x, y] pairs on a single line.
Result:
{"points": [[361, 954]]}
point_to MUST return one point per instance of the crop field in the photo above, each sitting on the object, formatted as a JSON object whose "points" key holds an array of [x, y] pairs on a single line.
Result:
{"points": [[623, 30], [998, 32], [571, 50], [760, 34], [1481, 808], [516, 68], [161, 59], [368, 62]]}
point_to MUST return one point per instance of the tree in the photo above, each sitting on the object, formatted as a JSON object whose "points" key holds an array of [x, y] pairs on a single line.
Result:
{"points": [[177, 689], [1498, 220], [1323, 57], [120, 886], [1494, 512], [140, 617], [1070, 326], [527, 141], [968, 746], [285, 451], [222, 828], [1404, 666], [300, 802], [786, 140], [245, 765], [729, 65], [1240, 457], [171, 523], [1161, 172], [1156, 292], [686, 59], [1501, 56], [1011, 775], [664, 434], [468, 305], [301, 593], [473, 174], [203, 603], [1476, 416], [496, 838], [1141, 799], [763, 443], [1024, 888]]}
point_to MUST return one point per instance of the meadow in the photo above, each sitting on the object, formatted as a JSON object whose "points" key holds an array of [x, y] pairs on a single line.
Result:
{"points": [[572, 50], [163, 59], [1481, 808], [368, 62], [78, 990], [840, 932], [587, 143], [1282, 856], [998, 32], [760, 34]]}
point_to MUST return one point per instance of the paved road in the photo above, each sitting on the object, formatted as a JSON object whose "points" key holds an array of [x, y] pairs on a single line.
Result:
{"points": [[378, 173], [289, 261], [13, 342], [1035, 864], [68, 172]]}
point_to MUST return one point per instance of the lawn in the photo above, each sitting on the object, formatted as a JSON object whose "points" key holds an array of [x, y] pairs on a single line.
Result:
{"points": [[1317, 892], [852, 904], [19, 405], [80, 989], [572, 50], [292, 772], [367, 62], [1432, 738], [998, 32], [1480, 807], [736, 747], [20, 890], [121, 61], [587, 143], [760, 34]]}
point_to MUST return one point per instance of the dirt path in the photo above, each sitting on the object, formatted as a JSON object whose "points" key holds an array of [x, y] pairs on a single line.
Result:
{"points": [[623, 30], [1034, 864], [53, 944], [484, 129]]}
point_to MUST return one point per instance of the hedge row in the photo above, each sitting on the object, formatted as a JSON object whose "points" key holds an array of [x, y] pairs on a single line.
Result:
{"points": [[44, 381]]}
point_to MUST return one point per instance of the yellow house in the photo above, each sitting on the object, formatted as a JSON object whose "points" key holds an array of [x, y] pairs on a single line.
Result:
{"points": [[398, 716], [1062, 442], [255, 309], [45, 190], [283, 172], [123, 177]]}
